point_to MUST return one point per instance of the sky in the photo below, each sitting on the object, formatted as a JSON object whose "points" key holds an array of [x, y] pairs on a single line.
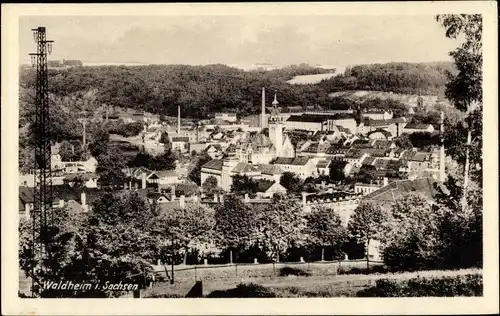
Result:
{"points": [[241, 40]]}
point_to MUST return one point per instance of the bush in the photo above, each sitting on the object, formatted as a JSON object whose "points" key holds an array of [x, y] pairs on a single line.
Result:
{"points": [[244, 290], [286, 271], [463, 285], [356, 270]]}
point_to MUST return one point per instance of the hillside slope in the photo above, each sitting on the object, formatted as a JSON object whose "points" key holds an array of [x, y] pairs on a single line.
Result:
{"points": [[407, 99]]}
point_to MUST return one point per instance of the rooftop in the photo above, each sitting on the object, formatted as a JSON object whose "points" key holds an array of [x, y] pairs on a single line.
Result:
{"points": [[215, 164], [298, 161], [387, 134], [417, 125], [183, 139], [318, 118], [420, 156], [263, 185], [269, 169], [398, 189]]}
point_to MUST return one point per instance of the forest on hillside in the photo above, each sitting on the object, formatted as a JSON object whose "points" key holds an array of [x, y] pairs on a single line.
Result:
{"points": [[404, 78], [204, 90]]}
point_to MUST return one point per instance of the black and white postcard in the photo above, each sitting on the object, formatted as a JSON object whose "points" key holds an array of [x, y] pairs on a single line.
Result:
{"points": [[251, 158]]}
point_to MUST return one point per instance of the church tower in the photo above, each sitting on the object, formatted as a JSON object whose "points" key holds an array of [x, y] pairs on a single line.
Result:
{"points": [[276, 128]]}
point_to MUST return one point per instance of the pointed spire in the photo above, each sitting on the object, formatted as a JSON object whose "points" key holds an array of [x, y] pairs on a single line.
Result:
{"points": [[275, 102]]}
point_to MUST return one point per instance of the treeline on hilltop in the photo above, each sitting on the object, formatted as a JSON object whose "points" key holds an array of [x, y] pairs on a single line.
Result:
{"points": [[405, 78], [203, 90]]}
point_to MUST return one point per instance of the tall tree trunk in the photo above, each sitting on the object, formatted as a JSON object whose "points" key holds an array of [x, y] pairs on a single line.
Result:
{"points": [[185, 255], [467, 160], [367, 255]]}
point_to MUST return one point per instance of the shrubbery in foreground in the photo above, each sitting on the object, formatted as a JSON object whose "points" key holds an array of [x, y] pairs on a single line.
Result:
{"points": [[244, 290], [463, 285]]}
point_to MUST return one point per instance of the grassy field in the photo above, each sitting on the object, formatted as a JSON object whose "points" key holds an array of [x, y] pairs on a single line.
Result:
{"points": [[310, 79], [193, 273], [315, 284], [299, 286]]}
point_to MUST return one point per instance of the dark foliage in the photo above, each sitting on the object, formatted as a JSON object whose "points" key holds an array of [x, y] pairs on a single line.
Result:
{"points": [[286, 271], [463, 285], [244, 290], [126, 129], [204, 90]]}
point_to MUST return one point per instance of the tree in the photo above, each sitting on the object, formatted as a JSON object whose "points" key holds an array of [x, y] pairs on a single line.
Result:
{"points": [[464, 88], [66, 150], [424, 140], [109, 168], [242, 184], [210, 186], [141, 159], [195, 172], [186, 188], [365, 225], [337, 170], [191, 226], [291, 182], [165, 161], [409, 238], [99, 141], [164, 139], [454, 138], [324, 228], [65, 245], [111, 243], [280, 226], [460, 232], [235, 223], [403, 141], [366, 174], [120, 237]]}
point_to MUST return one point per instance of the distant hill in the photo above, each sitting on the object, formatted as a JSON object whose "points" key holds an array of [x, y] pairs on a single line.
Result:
{"points": [[406, 99], [201, 91], [310, 79], [405, 78]]}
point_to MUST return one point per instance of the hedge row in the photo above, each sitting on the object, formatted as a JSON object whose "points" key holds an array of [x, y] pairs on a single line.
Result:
{"points": [[462, 285]]}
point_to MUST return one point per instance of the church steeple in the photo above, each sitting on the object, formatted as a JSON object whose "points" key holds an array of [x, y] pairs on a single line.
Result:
{"points": [[275, 102]]}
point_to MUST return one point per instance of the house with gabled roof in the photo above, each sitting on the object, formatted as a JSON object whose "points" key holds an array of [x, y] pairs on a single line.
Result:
{"points": [[180, 143], [355, 156], [396, 190], [215, 151], [380, 133], [417, 127], [267, 188], [304, 167]]}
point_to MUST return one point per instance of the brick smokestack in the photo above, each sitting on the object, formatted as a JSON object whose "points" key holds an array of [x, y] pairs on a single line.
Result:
{"points": [[178, 119]]}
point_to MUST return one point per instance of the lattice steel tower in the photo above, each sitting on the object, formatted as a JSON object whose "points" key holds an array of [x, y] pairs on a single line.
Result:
{"points": [[43, 196]]}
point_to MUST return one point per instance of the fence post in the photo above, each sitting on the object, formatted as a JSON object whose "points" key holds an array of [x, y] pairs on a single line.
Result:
{"points": [[236, 269], [195, 274]]}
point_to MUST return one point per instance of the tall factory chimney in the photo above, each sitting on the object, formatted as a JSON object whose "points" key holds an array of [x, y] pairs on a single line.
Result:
{"points": [[179, 119], [442, 171], [84, 140], [263, 115]]}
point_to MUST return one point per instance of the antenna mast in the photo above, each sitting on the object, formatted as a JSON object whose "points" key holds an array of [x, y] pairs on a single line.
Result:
{"points": [[43, 197]]}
